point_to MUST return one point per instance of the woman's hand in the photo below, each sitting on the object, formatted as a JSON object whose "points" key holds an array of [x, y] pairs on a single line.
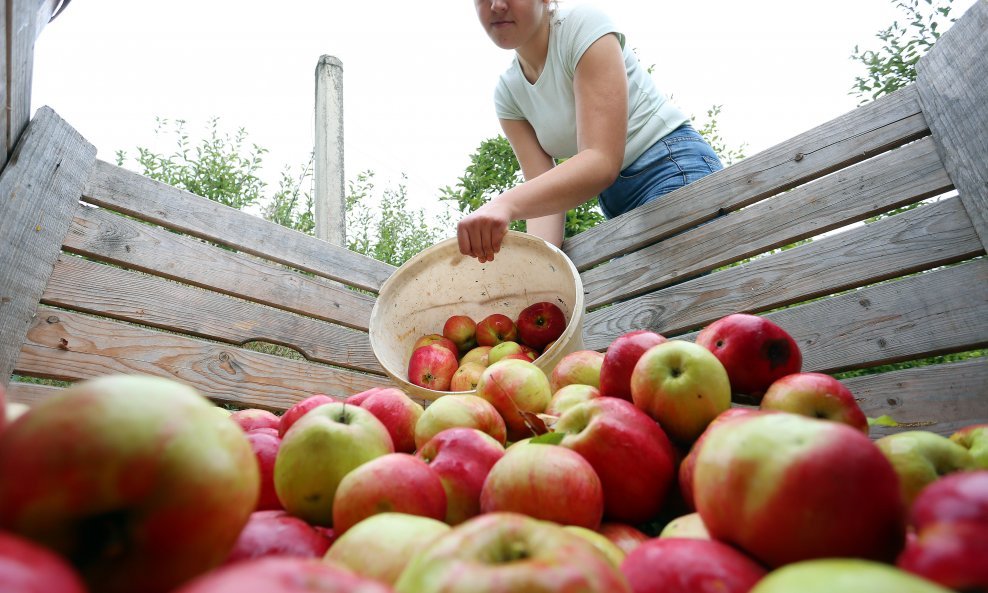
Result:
{"points": [[481, 232]]}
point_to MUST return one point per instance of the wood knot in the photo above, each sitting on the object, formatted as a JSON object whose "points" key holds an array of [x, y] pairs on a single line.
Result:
{"points": [[882, 343], [52, 319], [63, 344], [799, 156]]}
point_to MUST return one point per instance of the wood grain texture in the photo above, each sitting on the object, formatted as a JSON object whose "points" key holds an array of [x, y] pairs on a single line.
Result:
{"points": [[162, 204], [83, 285], [72, 346], [127, 242], [952, 80], [854, 137], [903, 176], [39, 191], [922, 238], [31, 393]]}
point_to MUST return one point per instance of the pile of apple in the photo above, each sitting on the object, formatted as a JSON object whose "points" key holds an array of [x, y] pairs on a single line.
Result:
{"points": [[627, 470], [454, 359]]}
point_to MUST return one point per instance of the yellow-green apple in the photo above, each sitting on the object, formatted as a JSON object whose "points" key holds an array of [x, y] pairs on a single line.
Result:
{"points": [[682, 386], [462, 331], [609, 549], [284, 574], [478, 355], [496, 328], [27, 567], [510, 553], [686, 565], [438, 340], [276, 533], [921, 457], [546, 482], [251, 418], [569, 396], [133, 478], [785, 488], [540, 323], [466, 376], [620, 358], [689, 525], [847, 575], [629, 452], [323, 446], [688, 463], [503, 349], [754, 350], [580, 366], [463, 411], [432, 367], [816, 395], [462, 458], [950, 518], [397, 482], [398, 412], [299, 409], [623, 535], [974, 438], [380, 546], [265, 443], [518, 390]]}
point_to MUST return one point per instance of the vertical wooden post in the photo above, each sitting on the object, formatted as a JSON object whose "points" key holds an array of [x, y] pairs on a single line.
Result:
{"points": [[329, 182]]}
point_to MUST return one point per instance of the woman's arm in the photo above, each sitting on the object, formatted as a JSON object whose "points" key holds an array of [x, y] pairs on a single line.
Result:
{"points": [[601, 89]]}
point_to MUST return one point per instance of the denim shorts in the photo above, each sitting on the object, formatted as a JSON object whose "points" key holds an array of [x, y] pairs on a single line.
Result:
{"points": [[679, 158]]}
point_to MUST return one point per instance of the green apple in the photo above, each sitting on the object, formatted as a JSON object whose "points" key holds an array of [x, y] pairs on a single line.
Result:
{"points": [[570, 395], [459, 411], [920, 457], [974, 438], [581, 367], [844, 575], [690, 526], [610, 550], [518, 390], [321, 448]]}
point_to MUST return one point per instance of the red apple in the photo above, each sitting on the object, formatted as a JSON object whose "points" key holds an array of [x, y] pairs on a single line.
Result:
{"points": [[815, 395], [432, 367], [466, 376], [134, 478], [464, 411], [299, 409], [570, 395], [785, 488], [462, 331], [251, 418], [688, 463], [438, 340], [682, 565], [540, 323], [754, 350], [496, 328], [26, 567], [545, 482], [397, 482], [629, 452], [462, 458], [283, 574], [624, 536], [517, 389], [620, 359], [398, 412], [276, 533], [580, 367], [265, 443]]}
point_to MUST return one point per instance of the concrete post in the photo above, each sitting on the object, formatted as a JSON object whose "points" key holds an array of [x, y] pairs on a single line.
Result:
{"points": [[329, 184]]}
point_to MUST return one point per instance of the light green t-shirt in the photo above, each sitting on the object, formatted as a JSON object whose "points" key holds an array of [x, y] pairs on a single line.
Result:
{"points": [[549, 104]]}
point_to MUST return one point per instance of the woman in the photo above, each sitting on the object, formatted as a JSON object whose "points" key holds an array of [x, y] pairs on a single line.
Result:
{"points": [[576, 91]]}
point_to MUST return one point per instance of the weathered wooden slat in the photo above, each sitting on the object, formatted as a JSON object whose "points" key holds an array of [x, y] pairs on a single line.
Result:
{"points": [[124, 241], [900, 177], [72, 346], [144, 198], [922, 238], [30, 393], [856, 136], [952, 80], [941, 398], [39, 191], [84, 285]]}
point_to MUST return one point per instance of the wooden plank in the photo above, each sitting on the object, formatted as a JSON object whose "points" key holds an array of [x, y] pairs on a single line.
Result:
{"points": [[72, 346], [121, 240], [39, 191], [911, 173], [863, 133], [923, 238], [30, 393], [147, 199], [952, 80], [84, 285], [941, 398]]}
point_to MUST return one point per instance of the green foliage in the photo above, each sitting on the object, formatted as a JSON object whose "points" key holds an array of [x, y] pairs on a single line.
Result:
{"points": [[290, 206], [710, 130], [893, 65]]}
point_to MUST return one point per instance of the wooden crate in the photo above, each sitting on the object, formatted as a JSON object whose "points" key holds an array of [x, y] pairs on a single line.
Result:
{"points": [[106, 271]]}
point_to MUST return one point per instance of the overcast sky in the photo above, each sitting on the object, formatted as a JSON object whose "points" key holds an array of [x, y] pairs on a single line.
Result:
{"points": [[418, 76]]}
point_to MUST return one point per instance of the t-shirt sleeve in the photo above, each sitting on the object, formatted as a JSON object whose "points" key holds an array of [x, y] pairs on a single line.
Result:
{"points": [[584, 25], [504, 104]]}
